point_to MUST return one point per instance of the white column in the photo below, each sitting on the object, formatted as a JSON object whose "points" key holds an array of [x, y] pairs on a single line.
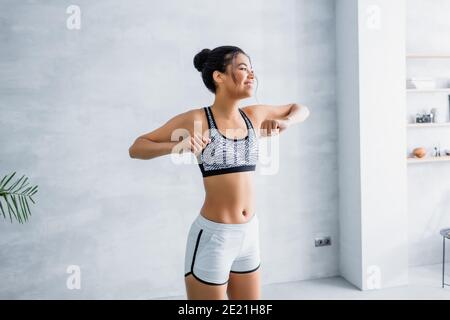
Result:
{"points": [[372, 142]]}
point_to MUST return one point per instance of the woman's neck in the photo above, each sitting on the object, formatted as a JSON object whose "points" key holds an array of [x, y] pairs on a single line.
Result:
{"points": [[226, 108]]}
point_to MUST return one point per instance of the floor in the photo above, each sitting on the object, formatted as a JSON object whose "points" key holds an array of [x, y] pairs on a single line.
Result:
{"points": [[424, 284]]}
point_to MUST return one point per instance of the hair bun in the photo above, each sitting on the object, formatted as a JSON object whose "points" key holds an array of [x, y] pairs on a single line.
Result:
{"points": [[200, 59]]}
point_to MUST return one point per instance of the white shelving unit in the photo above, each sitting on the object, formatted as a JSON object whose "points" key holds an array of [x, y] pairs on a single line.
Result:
{"points": [[437, 90], [429, 159], [428, 125], [427, 56]]}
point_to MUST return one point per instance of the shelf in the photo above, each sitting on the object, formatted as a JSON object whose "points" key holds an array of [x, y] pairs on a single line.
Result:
{"points": [[426, 125], [445, 90], [428, 159], [428, 56]]}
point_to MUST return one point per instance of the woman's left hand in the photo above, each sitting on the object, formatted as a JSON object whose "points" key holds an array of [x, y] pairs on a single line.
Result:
{"points": [[273, 127]]}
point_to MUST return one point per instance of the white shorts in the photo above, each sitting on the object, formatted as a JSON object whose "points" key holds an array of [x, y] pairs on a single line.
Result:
{"points": [[213, 249]]}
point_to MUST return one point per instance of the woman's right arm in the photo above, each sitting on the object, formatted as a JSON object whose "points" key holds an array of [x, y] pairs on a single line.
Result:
{"points": [[163, 140]]}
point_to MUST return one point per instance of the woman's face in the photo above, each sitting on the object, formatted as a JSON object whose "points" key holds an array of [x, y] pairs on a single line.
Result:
{"points": [[244, 78]]}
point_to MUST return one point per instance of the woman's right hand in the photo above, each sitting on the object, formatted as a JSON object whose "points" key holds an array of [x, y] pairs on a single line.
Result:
{"points": [[195, 143]]}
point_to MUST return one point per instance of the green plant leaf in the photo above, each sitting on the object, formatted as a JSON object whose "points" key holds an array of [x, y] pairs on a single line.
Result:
{"points": [[31, 192], [10, 209], [22, 185], [23, 207], [16, 207], [1, 208], [16, 197], [2, 186], [26, 203], [1, 182], [11, 188], [34, 191]]}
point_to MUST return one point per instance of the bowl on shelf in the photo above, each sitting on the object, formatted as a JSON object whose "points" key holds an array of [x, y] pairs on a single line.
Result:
{"points": [[421, 83], [419, 152]]}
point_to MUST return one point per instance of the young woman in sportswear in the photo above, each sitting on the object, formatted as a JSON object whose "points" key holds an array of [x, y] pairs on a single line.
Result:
{"points": [[222, 256]]}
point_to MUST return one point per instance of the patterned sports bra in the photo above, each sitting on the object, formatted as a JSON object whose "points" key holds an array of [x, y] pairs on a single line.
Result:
{"points": [[224, 155]]}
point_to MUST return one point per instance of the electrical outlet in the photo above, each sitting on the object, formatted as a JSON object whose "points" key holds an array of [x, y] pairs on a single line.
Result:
{"points": [[323, 241]]}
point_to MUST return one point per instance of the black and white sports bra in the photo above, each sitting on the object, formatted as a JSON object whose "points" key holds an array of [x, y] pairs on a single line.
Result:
{"points": [[224, 155]]}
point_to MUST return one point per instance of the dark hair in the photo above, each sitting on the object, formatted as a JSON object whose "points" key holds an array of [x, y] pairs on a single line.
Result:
{"points": [[207, 61]]}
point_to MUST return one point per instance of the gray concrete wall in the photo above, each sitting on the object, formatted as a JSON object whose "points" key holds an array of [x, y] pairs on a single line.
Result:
{"points": [[73, 101]]}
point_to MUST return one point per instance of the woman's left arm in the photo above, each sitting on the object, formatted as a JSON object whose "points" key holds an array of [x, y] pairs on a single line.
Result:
{"points": [[276, 119], [297, 113]]}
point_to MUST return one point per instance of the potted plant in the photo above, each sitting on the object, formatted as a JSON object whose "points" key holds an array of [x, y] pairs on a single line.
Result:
{"points": [[14, 198]]}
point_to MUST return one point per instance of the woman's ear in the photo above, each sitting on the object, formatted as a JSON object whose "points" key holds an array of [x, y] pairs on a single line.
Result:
{"points": [[217, 76]]}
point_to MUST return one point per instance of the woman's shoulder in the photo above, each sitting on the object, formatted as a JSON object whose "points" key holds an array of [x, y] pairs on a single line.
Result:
{"points": [[197, 113], [194, 113], [252, 113]]}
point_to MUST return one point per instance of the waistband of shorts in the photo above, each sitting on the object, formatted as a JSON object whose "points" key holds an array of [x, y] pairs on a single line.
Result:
{"points": [[212, 225]]}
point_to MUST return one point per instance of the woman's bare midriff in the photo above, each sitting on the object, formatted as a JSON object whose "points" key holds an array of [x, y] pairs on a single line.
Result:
{"points": [[229, 197]]}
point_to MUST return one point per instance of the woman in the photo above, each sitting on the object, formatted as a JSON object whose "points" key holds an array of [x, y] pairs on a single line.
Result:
{"points": [[222, 252]]}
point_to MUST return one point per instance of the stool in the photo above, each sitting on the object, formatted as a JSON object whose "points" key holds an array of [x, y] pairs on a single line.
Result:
{"points": [[445, 233]]}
